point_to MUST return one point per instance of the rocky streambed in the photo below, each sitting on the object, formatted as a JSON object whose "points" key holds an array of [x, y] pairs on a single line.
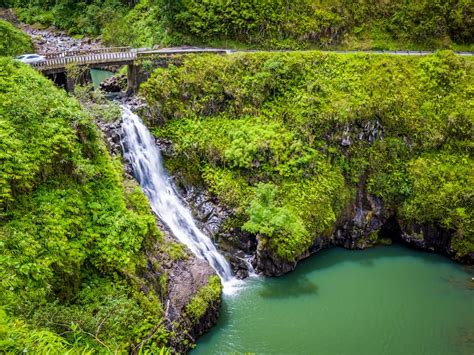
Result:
{"points": [[50, 40]]}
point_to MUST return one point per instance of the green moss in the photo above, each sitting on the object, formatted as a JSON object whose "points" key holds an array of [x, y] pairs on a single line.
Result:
{"points": [[443, 191], [174, 250], [13, 41], [206, 297]]}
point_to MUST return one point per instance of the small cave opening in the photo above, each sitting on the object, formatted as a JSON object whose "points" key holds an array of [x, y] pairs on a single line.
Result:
{"points": [[391, 230]]}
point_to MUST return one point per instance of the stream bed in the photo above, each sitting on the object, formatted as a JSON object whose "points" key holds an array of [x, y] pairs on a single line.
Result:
{"points": [[384, 300]]}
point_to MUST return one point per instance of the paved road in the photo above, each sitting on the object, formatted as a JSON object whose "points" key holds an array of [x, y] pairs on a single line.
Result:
{"points": [[57, 62]]}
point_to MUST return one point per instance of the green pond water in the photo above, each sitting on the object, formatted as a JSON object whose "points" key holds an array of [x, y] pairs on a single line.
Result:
{"points": [[99, 76], [386, 300]]}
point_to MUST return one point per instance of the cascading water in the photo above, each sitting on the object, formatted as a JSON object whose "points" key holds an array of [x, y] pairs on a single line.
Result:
{"points": [[141, 151]]}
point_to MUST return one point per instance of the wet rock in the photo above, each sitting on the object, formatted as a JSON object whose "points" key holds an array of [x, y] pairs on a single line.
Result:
{"points": [[136, 104], [240, 264], [206, 209], [116, 83], [166, 147], [432, 237], [112, 132], [185, 279], [235, 240], [270, 264], [369, 131], [211, 216], [359, 229]]}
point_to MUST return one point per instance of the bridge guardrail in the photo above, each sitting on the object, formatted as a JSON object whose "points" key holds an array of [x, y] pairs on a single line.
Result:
{"points": [[75, 53], [94, 58]]}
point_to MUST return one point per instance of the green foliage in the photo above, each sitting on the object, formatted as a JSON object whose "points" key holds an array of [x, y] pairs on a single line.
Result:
{"points": [[363, 24], [77, 17], [258, 21], [443, 191], [206, 297], [141, 26], [229, 186], [286, 232], [174, 250], [110, 313], [96, 104], [390, 179], [281, 119], [13, 41], [72, 231], [17, 337]]}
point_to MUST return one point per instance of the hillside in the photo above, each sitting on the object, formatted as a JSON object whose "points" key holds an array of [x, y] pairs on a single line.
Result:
{"points": [[312, 149], [77, 237], [366, 24]]}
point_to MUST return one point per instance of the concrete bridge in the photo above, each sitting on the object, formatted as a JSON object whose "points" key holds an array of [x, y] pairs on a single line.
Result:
{"points": [[57, 63]]}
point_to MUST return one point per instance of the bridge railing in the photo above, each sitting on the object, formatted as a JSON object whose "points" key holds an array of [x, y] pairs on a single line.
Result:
{"points": [[93, 58], [75, 53]]}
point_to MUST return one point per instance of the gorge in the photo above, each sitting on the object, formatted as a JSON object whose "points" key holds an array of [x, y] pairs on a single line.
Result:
{"points": [[266, 200]]}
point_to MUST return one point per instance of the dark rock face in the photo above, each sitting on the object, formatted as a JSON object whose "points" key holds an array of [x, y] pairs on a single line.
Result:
{"points": [[367, 224], [369, 131], [112, 131], [432, 237], [359, 229], [177, 282], [211, 216], [427, 236], [269, 264], [206, 209]]}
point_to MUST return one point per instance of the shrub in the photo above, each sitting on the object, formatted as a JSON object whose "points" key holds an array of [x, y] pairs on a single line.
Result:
{"points": [[13, 41]]}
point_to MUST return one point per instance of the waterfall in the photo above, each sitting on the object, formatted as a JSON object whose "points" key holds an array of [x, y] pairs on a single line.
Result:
{"points": [[140, 150]]}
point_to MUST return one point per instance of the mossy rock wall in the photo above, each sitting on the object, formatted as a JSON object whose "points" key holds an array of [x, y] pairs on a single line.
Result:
{"points": [[298, 144]]}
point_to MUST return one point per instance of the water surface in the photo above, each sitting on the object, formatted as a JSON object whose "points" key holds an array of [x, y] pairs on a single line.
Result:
{"points": [[387, 300], [98, 76]]}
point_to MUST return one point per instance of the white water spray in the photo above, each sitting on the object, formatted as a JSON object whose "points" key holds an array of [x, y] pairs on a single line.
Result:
{"points": [[140, 150]]}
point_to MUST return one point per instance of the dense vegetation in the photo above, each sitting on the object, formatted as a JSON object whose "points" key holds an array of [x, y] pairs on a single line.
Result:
{"points": [[13, 41], [72, 230], [286, 139], [388, 24]]}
